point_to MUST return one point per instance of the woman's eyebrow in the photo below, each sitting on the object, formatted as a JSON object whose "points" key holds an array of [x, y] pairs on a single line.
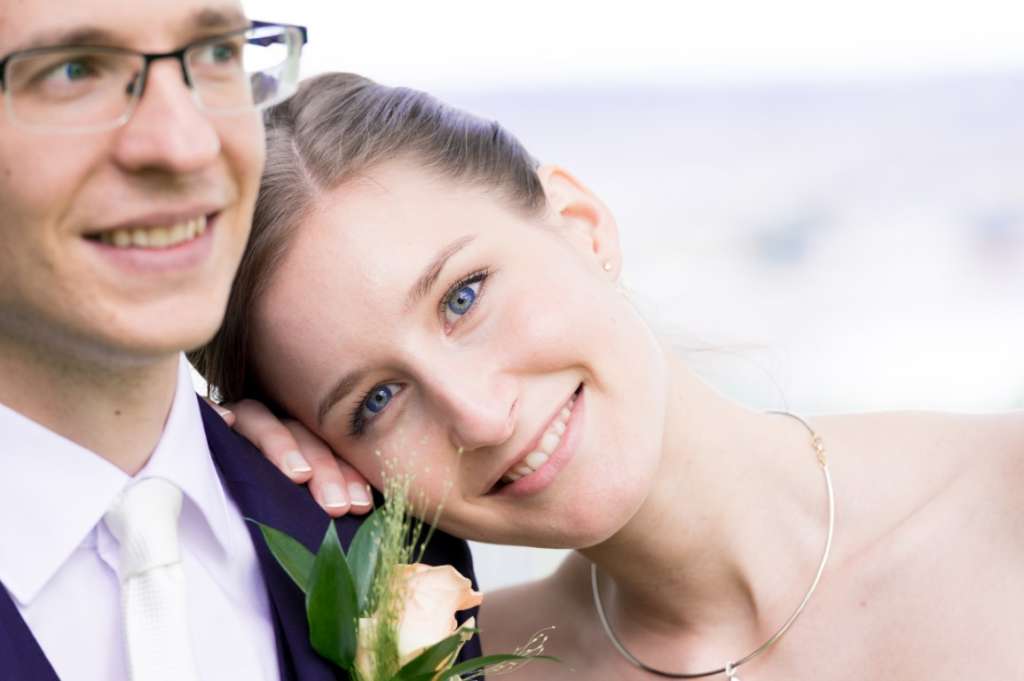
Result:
{"points": [[342, 387], [433, 270]]}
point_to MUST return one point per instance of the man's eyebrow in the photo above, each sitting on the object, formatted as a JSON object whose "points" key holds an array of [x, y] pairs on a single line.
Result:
{"points": [[433, 270], [80, 35], [228, 19], [346, 384]]}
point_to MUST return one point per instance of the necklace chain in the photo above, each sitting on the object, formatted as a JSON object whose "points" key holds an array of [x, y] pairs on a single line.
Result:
{"points": [[729, 669]]}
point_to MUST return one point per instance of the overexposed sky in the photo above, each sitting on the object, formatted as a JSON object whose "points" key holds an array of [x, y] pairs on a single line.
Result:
{"points": [[494, 45]]}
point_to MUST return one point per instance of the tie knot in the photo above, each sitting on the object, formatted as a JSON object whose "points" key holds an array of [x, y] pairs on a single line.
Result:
{"points": [[145, 521]]}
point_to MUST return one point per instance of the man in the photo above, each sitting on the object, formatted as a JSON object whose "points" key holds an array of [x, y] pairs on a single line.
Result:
{"points": [[128, 173]]}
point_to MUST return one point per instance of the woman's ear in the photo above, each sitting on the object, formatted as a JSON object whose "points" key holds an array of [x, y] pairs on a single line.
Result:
{"points": [[584, 218]]}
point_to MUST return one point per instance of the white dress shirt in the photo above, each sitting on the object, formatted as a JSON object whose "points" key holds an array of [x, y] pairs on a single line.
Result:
{"points": [[59, 561]]}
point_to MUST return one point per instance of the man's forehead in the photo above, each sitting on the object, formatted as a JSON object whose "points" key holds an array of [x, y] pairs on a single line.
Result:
{"points": [[149, 25]]}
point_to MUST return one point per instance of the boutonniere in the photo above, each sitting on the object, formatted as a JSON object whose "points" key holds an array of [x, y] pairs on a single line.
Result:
{"points": [[377, 611]]}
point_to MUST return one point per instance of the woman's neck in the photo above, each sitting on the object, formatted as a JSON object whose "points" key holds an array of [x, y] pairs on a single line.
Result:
{"points": [[729, 538]]}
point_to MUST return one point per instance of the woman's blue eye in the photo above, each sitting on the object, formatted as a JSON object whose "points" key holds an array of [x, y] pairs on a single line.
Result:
{"points": [[372, 405], [378, 399], [461, 299]]}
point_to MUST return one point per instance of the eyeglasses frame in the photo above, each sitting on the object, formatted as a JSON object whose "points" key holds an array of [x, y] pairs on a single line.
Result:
{"points": [[148, 58]]}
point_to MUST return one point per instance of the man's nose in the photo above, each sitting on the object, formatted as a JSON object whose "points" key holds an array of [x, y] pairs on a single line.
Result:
{"points": [[167, 131]]}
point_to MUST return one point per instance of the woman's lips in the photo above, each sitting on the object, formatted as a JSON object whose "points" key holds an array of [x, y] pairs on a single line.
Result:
{"points": [[539, 468]]}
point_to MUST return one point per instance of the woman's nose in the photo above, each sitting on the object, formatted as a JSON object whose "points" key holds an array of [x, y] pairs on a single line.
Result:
{"points": [[481, 409]]}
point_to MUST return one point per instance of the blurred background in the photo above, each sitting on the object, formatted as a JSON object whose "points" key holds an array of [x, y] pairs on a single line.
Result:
{"points": [[821, 202]]}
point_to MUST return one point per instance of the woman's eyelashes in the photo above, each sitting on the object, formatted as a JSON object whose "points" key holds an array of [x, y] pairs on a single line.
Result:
{"points": [[455, 304], [461, 297], [372, 404]]}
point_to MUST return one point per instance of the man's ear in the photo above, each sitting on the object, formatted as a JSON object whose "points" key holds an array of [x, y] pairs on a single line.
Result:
{"points": [[584, 218]]}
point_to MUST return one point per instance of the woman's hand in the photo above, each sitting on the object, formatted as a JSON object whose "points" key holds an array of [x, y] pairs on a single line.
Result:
{"points": [[302, 456]]}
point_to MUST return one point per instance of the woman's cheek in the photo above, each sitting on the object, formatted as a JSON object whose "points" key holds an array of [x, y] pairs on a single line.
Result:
{"points": [[540, 318], [418, 448]]}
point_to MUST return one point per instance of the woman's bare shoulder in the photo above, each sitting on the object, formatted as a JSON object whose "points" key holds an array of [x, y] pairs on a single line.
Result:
{"points": [[943, 441], [969, 444], [999, 445], [908, 461]]}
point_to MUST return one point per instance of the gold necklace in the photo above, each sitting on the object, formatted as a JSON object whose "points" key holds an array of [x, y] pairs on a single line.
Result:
{"points": [[729, 669]]}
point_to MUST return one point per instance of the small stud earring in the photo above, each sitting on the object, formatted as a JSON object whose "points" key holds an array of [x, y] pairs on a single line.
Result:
{"points": [[607, 266]]}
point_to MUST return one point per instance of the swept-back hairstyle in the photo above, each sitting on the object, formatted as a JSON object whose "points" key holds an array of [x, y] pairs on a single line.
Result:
{"points": [[337, 126]]}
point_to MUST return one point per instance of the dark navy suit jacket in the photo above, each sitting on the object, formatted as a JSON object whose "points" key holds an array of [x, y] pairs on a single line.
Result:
{"points": [[264, 494]]}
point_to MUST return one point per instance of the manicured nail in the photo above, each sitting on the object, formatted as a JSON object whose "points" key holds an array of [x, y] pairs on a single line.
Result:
{"points": [[359, 494], [223, 411], [333, 496], [296, 464]]}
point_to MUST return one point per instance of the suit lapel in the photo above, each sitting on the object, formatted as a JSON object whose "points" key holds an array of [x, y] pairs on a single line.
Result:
{"points": [[265, 495], [21, 658]]}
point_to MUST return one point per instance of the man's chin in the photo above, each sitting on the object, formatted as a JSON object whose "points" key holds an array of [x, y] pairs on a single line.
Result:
{"points": [[144, 339]]}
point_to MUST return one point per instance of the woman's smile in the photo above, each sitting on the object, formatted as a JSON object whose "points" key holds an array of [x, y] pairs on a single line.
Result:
{"points": [[550, 451]]}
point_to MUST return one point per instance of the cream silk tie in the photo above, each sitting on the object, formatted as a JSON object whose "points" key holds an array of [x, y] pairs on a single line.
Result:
{"points": [[145, 521]]}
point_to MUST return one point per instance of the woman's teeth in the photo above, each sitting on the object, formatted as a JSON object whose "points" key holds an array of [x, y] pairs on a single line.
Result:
{"points": [[155, 237], [548, 444]]}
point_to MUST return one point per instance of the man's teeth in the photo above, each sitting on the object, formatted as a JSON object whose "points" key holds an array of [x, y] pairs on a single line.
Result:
{"points": [[548, 444], [163, 236]]}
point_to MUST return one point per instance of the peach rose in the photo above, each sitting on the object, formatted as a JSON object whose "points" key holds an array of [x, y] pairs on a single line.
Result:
{"points": [[430, 596]]}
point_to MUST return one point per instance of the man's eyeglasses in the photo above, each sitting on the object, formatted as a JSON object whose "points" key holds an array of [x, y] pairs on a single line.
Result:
{"points": [[81, 89]]}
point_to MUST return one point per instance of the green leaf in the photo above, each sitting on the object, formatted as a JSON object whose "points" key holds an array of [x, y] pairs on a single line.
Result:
{"points": [[430, 659], [294, 558], [331, 604], [364, 556]]}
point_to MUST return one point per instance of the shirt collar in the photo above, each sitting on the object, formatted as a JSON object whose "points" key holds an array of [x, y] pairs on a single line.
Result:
{"points": [[54, 492]]}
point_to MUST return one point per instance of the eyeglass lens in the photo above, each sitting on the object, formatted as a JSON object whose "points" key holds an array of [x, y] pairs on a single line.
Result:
{"points": [[82, 87]]}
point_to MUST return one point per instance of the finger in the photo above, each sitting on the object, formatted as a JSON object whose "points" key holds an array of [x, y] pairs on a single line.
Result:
{"points": [[224, 412], [276, 441], [328, 483], [359, 494]]}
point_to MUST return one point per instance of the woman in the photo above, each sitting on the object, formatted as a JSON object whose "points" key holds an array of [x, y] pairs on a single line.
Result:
{"points": [[418, 290]]}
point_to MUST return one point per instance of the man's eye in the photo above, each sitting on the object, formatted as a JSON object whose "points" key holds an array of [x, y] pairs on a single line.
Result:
{"points": [[224, 53], [71, 71], [74, 70], [462, 297]]}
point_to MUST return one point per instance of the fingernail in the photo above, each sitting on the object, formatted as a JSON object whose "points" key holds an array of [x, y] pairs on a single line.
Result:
{"points": [[223, 411], [333, 496], [359, 494], [296, 463]]}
